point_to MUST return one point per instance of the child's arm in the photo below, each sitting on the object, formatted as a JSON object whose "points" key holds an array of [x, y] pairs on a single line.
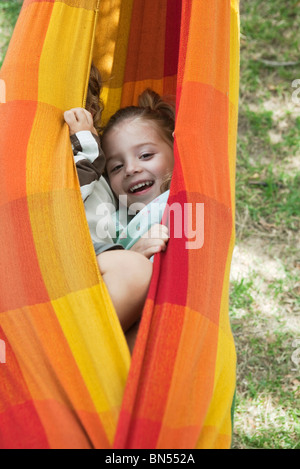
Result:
{"points": [[88, 155]]}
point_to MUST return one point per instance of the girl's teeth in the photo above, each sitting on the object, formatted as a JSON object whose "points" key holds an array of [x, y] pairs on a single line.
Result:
{"points": [[138, 186]]}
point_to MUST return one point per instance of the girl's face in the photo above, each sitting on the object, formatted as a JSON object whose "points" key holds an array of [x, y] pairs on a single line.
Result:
{"points": [[138, 160]]}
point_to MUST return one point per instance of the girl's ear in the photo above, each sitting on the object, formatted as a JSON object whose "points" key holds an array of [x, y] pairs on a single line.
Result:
{"points": [[173, 134]]}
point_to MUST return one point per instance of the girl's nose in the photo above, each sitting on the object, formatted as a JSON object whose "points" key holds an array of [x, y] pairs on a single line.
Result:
{"points": [[132, 167]]}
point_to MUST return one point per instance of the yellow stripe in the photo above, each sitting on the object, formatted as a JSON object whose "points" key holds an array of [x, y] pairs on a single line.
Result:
{"points": [[65, 57], [91, 54], [225, 383], [127, 95], [98, 345], [110, 50], [113, 98], [62, 241], [234, 57], [232, 138]]}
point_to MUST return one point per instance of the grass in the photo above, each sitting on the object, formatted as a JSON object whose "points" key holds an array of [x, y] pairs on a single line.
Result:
{"points": [[265, 277], [9, 12]]}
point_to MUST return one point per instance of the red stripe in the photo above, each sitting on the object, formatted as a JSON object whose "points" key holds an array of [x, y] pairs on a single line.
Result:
{"points": [[20, 426], [145, 53], [145, 431], [173, 20], [174, 262], [21, 281], [150, 375]]}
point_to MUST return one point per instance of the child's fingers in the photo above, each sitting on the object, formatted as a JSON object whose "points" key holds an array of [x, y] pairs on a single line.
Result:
{"points": [[79, 114], [79, 119], [83, 116], [151, 250], [158, 231], [155, 245], [164, 232], [69, 117], [149, 246]]}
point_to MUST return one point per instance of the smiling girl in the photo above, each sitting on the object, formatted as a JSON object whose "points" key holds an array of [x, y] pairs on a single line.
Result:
{"points": [[138, 147]]}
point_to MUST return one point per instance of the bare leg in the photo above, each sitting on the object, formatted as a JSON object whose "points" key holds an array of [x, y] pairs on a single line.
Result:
{"points": [[127, 276]]}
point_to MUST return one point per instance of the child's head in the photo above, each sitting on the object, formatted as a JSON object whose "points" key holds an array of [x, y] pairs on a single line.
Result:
{"points": [[93, 102], [138, 146]]}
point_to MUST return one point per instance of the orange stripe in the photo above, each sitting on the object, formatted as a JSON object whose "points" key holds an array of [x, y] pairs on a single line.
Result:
{"points": [[208, 263], [14, 141], [21, 66], [202, 140], [132, 90], [44, 356], [165, 87], [184, 36], [64, 427], [193, 375], [163, 336], [208, 51]]}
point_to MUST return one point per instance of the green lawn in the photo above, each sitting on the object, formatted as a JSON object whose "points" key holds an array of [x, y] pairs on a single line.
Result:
{"points": [[265, 287], [9, 11], [265, 277]]}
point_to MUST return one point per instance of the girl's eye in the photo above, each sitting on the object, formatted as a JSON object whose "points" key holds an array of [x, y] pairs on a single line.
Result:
{"points": [[116, 168], [146, 156]]}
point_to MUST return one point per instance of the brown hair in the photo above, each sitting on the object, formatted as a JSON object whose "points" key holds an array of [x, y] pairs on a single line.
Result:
{"points": [[152, 107], [93, 102]]}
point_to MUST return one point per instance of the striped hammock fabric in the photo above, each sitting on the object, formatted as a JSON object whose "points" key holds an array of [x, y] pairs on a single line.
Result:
{"points": [[66, 376]]}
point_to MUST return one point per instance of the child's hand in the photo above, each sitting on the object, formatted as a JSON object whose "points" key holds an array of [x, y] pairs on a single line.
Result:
{"points": [[152, 242], [79, 119]]}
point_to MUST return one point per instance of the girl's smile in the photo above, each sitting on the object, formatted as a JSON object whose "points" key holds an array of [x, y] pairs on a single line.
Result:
{"points": [[138, 160]]}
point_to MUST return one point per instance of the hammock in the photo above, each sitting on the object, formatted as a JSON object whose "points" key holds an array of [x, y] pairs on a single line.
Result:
{"points": [[67, 378]]}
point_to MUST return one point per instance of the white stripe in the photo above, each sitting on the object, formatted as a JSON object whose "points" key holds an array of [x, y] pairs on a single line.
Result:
{"points": [[90, 149], [87, 190]]}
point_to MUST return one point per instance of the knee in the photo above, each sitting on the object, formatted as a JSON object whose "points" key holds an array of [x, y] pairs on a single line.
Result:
{"points": [[138, 269], [133, 268]]}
